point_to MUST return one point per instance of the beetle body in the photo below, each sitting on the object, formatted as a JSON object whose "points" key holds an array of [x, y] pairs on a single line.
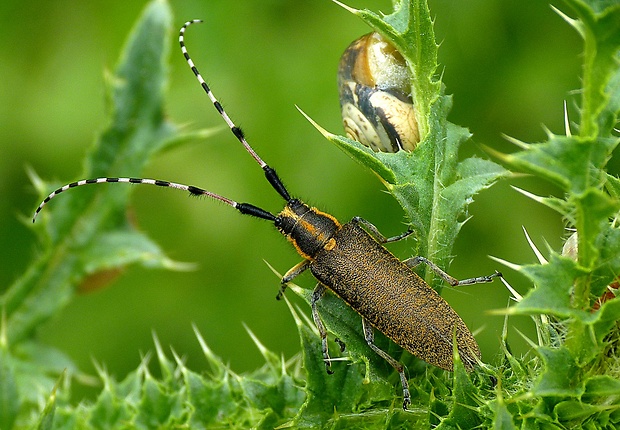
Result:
{"points": [[350, 260], [375, 96], [382, 289]]}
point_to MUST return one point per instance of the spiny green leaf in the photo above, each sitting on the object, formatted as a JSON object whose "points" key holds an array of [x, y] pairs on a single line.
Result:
{"points": [[46, 419], [214, 401], [110, 410], [559, 205], [129, 388], [570, 162], [612, 185], [266, 398], [553, 284], [502, 419], [608, 246], [561, 376], [606, 319], [601, 385], [283, 397], [463, 413], [573, 410]]}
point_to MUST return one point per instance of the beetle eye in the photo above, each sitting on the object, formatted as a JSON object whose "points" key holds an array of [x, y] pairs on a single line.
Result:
{"points": [[375, 96]]}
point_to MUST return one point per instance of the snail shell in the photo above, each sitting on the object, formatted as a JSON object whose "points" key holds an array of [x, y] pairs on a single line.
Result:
{"points": [[375, 96]]}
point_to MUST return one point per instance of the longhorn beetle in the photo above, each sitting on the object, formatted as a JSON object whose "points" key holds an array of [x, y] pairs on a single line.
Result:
{"points": [[350, 260]]}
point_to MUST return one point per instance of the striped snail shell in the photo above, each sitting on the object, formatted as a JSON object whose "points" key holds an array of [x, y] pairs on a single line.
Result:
{"points": [[375, 96]]}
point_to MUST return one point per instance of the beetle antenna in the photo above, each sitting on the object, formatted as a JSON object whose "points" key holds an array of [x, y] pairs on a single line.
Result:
{"points": [[244, 208], [270, 173]]}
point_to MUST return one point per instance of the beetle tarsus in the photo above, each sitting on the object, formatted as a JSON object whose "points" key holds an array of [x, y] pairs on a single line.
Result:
{"points": [[480, 279], [406, 398]]}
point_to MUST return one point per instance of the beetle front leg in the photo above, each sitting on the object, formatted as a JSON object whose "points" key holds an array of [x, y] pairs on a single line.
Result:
{"points": [[316, 296], [292, 274], [369, 335], [376, 234], [414, 261]]}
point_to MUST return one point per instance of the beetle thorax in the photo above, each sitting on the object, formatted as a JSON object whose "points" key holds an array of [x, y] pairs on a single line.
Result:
{"points": [[309, 229]]}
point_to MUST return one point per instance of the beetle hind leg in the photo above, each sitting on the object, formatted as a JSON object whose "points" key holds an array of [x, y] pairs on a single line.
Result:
{"points": [[370, 340]]}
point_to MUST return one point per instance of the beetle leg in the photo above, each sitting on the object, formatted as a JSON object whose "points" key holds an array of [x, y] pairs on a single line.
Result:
{"points": [[316, 296], [414, 261], [369, 335], [292, 274], [376, 234]]}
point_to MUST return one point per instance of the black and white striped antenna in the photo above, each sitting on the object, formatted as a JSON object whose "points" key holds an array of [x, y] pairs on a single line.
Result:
{"points": [[244, 208]]}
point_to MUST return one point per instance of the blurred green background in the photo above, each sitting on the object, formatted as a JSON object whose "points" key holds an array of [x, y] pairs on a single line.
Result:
{"points": [[509, 64]]}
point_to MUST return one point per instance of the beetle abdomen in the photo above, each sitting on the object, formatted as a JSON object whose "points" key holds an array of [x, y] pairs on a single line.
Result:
{"points": [[393, 298]]}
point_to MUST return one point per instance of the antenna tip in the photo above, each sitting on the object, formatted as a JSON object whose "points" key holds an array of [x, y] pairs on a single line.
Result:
{"points": [[188, 23]]}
